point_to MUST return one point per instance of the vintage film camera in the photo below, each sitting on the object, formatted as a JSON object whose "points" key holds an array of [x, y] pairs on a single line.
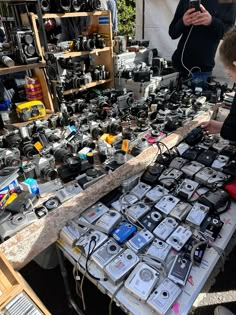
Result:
{"points": [[9, 157], [25, 48], [45, 166]]}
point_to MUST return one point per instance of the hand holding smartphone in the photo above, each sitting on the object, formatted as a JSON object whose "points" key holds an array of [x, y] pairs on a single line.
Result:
{"points": [[195, 4]]}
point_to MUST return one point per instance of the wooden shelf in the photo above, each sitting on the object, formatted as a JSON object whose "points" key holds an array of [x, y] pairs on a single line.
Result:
{"points": [[73, 14], [90, 85], [19, 68], [82, 53]]}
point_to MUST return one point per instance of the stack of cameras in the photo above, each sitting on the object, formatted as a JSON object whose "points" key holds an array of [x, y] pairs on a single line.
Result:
{"points": [[74, 75], [173, 210], [70, 6]]}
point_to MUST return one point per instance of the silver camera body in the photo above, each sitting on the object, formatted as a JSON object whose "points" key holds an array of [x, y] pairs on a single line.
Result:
{"points": [[120, 266], [124, 202], [191, 168], [170, 176], [156, 193], [16, 223], [140, 240], [94, 212], [140, 190], [181, 211], [164, 296], [159, 249], [106, 253], [166, 204], [136, 211], [197, 214], [179, 238], [9, 157], [141, 281], [109, 220], [220, 162], [178, 163], [43, 163], [165, 228], [84, 241], [187, 188]]}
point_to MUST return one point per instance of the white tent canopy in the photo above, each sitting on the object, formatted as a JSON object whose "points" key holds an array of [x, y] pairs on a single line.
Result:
{"points": [[152, 23]]}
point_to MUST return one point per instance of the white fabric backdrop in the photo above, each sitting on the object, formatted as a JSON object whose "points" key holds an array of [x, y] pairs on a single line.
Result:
{"points": [[158, 15]]}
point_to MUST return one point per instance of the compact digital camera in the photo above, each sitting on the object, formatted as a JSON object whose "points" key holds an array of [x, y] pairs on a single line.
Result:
{"points": [[120, 266], [159, 249], [165, 228], [16, 223], [141, 281], [140, 240], [164, 296], [103, 255]]}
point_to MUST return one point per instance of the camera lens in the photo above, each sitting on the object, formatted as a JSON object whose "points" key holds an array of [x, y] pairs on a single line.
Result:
{"points": [[45, 5], [28, 150], [49, 173], [91, 174], [29, 50], [12, 161], [61, 155], [65, 5], [74, 163], [77, 5]]}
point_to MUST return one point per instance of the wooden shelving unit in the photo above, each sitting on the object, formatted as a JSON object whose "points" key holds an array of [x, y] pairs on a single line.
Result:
{"points": [[74, 14], [20, 68], [87, 86], [101, 56], [73, 54]]}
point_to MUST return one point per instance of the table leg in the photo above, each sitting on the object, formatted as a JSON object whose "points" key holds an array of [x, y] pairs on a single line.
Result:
{"points": [[64, 274]]}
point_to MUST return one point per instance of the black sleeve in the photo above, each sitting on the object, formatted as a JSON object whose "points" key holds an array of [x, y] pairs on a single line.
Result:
{"points": [[177, 26], [228, 130], [224, 21]]}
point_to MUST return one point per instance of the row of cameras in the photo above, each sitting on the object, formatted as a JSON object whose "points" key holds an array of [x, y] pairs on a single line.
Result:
{"points": [[98, 116], [62, 6]]}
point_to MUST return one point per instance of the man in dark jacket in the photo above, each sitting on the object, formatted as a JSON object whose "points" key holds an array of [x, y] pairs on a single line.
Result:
{"points": [[201, 32]]}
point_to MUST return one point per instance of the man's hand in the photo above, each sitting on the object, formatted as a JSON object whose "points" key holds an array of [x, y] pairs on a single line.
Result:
{"points": [[201, 18], [212, 126], [187, 18]]}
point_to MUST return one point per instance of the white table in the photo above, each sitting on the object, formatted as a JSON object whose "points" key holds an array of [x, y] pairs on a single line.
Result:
{"points": [[197, 278]]}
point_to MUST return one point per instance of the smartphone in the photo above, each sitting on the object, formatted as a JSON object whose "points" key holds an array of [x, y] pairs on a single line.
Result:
{"points": [[195, 4]]}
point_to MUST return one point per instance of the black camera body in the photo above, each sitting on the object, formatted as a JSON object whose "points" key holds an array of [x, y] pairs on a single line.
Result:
{"points": [[142, 75], [26, 51]]}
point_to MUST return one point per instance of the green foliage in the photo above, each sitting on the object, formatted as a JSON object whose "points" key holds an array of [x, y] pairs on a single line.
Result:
{"points": [[126, 17]]}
